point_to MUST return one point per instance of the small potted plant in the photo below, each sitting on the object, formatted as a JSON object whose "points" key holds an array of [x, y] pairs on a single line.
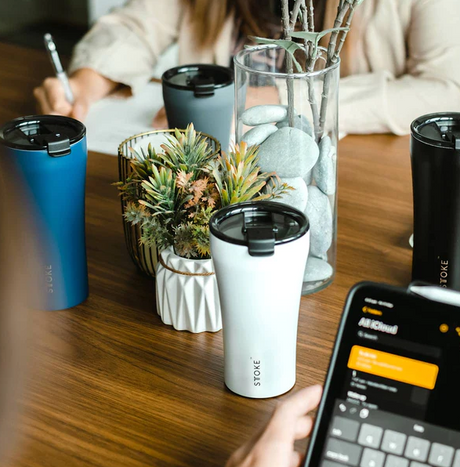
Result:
{"points": [[171, 195]]}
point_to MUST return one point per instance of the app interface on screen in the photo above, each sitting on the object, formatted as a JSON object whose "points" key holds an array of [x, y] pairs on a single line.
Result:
{"points": [[397, 397]]}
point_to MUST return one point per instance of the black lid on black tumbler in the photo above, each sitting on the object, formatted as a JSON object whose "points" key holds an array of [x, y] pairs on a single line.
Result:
{"points": [[439, 129]]}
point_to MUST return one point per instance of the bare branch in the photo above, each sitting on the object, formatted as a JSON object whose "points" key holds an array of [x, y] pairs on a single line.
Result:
{"points": [[295, 13], [343, 35], [310, 67], [303, 9], [333, 39], [285, 19], [290, 70], [342, 10], [311, 15]]}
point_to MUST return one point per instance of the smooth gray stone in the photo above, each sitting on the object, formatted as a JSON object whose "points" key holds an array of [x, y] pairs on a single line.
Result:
{"points": [[260, 114], [319, 214], [308, 178], [289, 152], [323, 256], [258, 134], [317, 270], [325, 169], [297, 197], [300, 122]]}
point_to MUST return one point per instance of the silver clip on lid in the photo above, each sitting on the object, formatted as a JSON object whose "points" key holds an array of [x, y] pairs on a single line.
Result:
{"points": [[435, 293]]}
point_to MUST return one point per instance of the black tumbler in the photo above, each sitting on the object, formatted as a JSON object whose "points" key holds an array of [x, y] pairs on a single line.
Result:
{"points": [[435, 157]]}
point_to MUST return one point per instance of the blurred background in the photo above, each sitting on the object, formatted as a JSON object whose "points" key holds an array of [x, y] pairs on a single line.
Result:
{"points": [[23, 22]]}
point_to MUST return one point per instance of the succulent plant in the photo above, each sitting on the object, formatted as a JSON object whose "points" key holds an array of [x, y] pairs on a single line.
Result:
{"points": [[172, 194]]}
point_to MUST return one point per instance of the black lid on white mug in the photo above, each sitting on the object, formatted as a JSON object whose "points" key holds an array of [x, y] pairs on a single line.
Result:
{"points": [[259, 225], [438, 129]]}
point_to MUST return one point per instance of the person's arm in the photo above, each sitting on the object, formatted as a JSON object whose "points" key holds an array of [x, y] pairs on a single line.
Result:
{"points": [[273, 446], [379, 102], [121, 49]]}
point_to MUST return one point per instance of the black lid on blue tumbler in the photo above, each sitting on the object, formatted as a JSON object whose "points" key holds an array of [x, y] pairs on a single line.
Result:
{"points": [[51, 132]]}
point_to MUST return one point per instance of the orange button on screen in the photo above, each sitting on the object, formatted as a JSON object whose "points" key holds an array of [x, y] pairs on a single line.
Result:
{"points": [[387, 365]]}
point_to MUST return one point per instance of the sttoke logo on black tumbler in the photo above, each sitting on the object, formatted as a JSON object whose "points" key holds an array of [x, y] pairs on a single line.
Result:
{"points": [[435, 157]]}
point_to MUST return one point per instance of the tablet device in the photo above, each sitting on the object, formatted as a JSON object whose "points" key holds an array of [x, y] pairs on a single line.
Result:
{"points": [[392, 392]]}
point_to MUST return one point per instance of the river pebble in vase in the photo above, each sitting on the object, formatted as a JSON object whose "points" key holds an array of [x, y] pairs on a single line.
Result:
{"points": [[295, 142], [292, 146], [309, 168]]}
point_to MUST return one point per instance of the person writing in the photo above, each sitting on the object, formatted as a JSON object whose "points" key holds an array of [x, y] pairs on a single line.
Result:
{"points": [[401, 58]]}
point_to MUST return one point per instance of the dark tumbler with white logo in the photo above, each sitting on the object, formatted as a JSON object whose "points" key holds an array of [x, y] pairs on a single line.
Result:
{"points": [[435, 156]]}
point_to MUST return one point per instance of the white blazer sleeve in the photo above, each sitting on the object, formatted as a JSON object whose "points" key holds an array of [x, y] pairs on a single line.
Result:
{"points": [[380, 102], [124, 45]]}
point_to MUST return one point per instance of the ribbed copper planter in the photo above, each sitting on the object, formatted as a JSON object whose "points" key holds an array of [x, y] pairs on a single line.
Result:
{"points": [[144, 257]]}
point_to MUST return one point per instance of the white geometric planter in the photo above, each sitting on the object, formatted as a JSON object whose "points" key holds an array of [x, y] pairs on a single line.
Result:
{"points": [[186, 299]]}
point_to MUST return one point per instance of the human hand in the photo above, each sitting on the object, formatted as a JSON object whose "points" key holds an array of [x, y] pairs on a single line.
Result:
{"points": [[273, 446], [87, 87], [51, 99]]}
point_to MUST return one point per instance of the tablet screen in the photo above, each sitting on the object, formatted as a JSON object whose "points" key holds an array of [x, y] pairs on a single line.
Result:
{"points": [[392, 398]]}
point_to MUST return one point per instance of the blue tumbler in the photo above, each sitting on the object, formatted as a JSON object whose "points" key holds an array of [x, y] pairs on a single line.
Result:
{"points": [[43, 161]]}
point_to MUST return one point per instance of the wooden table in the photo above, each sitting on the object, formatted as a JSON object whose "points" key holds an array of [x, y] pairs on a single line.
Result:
{"points": [[113, 386]]}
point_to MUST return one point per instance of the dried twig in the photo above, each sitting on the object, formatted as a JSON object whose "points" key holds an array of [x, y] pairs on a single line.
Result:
{"points": [[342, 11], [311, 15], [331, 54], [305, 24], [295, 13], [343, 34], [289, 81], [310, 65]]}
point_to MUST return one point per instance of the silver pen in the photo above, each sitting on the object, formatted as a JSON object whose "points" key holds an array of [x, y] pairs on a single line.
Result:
{"points": [[56, 62]]}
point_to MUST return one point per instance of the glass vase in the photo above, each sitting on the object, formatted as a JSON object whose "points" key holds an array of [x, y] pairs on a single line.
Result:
{"points": [[293, 118]]}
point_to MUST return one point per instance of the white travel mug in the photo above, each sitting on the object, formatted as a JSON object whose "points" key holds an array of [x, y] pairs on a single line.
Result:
{"points": [[259, 250]]}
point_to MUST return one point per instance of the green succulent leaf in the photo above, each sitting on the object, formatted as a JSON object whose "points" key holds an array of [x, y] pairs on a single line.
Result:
{"points": [[171, 194]]}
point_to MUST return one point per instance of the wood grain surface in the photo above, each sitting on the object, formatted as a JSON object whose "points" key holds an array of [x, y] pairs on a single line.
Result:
{"points": [[110, 385]]}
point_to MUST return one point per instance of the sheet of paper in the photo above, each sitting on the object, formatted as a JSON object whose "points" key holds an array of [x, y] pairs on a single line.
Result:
{"points": [[114, 119]]}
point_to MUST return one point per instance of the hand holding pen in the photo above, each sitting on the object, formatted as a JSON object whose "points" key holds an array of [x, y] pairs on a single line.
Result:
{"points": [[61, 75], [57, 95], [69, 96]]}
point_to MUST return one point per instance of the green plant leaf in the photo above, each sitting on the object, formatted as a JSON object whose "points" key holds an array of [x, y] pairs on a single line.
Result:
{"points": [[315, 37], [290, 46]]}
